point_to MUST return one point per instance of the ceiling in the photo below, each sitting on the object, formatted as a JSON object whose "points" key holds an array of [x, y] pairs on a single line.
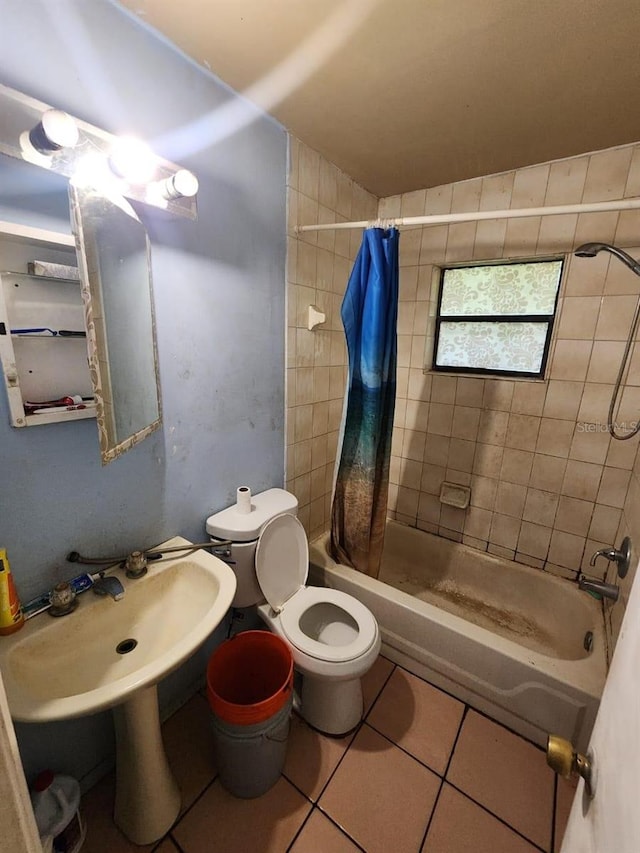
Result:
{"points": [[406, 94]]}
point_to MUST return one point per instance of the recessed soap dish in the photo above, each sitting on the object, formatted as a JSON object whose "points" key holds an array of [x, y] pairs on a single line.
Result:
{"points": [[454, 495]]}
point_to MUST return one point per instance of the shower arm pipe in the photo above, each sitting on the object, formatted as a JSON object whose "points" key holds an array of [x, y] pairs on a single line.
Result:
{"points": [[478, 215]]}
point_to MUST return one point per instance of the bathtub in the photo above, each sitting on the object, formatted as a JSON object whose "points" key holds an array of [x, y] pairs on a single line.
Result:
{"points": [[507, 639]]}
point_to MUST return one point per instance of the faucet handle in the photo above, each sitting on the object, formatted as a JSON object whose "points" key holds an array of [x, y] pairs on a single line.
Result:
{"points": [[609, 553], [622, 557], [136, 564]]}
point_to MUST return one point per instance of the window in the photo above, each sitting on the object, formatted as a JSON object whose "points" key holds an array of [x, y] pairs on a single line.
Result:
{"points": [[496, 318]]}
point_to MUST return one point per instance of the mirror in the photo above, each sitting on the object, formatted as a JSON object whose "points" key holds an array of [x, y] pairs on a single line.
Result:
{"points": [[115, 270]]}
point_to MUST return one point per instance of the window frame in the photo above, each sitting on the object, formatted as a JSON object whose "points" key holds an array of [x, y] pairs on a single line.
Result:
{"points": [[549, 319]]}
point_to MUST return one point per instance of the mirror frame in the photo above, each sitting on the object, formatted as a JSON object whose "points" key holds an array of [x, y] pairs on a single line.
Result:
{"points": [[110, 447]]}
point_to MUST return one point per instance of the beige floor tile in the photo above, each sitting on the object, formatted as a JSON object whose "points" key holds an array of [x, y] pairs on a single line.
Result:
{"points": [[461, 826], [312, 757], [506, 774], [418, 717], [380, 795], [373, 681], [220, 823], [103, 836], [564, 799], [188, 740], [319, 835]]}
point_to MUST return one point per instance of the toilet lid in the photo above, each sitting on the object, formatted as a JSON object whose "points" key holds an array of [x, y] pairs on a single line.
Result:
{"points": [[363, 626], [282, 559]]}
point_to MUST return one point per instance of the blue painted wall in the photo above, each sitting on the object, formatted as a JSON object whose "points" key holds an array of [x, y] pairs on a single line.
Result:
{"points": [[219, 298]]}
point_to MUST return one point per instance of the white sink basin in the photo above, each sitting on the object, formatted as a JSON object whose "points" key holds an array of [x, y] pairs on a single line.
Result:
{"points": [[54, 669]]}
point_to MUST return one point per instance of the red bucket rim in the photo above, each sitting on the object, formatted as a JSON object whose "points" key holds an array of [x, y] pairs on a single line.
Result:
{"points": [[254, 712]]}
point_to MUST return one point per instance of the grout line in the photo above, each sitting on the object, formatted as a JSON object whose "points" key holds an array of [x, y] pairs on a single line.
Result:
{"points": [[175, 843], [509, 729], [457, 738], [355, 734], [301, 827], [442, 778], [315, 807], [379, 693], [297, 788], [554, 813], [402, 749], [342, 829], [181, 816], [497, 817]]}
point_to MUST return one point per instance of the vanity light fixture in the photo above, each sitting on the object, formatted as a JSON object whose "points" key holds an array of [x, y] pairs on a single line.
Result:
{"points": [[38, 133], [55, 130]]}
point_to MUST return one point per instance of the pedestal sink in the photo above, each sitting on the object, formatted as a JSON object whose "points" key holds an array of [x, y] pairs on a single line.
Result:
{"points": [[111, 654]]}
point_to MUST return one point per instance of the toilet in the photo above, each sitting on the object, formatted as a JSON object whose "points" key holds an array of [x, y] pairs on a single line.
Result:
{"points": [[333, 637]]}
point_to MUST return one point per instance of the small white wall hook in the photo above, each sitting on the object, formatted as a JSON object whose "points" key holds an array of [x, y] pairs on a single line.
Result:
{"points": [[315, 317]]}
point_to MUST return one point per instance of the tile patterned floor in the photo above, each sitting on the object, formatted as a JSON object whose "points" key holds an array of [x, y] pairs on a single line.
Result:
{"points": [[422, 774]]}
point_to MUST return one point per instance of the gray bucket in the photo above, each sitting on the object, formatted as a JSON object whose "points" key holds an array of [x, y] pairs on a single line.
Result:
{"points": [[249, 759]]}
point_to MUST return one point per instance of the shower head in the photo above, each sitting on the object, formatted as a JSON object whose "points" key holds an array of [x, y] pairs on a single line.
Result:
{"points": [[590, 250]]}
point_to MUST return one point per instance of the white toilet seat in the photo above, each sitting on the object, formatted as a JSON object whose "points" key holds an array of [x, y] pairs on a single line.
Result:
{"points": [[282, 563], [364, 626]]}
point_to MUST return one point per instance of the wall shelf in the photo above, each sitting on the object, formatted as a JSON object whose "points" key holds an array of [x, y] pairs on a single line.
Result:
{"points": [[39, 367]]}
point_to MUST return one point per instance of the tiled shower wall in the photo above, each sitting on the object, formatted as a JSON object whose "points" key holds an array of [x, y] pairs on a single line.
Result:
{"points": [[318, 267], [548, 485]]}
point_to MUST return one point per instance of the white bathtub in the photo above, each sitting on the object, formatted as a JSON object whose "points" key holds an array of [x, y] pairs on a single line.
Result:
{"points": [[505, 638]]}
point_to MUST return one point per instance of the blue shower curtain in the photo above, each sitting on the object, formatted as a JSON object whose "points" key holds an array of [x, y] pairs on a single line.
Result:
{"points": [[369, 315]]}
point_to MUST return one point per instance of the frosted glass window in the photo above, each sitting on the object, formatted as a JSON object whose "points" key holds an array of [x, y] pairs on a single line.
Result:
{"points": [[497, 318], [492, 346]]}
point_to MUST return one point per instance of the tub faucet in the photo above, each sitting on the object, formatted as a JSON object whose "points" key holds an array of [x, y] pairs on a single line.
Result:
{"points": [[606, 590], [109, 586]]}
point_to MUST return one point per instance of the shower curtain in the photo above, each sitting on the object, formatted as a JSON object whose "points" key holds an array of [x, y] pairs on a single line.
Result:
{"points": [[369, 315]]}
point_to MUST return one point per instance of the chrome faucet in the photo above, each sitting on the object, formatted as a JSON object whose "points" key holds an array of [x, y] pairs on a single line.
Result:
{"points": [[606, 590], [108, 586]]}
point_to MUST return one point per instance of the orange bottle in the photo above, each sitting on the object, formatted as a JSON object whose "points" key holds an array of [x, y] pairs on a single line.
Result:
{"points": [[11, 615]]}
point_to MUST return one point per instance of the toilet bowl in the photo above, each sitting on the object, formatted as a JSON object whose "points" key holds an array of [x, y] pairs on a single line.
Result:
{"points": [[333, 637]]}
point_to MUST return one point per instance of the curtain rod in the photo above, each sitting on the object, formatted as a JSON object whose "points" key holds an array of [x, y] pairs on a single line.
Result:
{"points": [[476, 215]]}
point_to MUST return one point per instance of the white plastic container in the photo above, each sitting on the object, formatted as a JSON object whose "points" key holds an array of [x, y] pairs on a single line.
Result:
{"points": [[56, 806]]}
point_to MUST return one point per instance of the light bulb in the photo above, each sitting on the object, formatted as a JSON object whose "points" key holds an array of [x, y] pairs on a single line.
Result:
{"points": [[91, 170], [132, 160], [54, 131], [183, 184]]}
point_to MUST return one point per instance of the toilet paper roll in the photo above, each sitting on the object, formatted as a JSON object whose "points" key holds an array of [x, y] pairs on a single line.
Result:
{"points": [[243, 499]]}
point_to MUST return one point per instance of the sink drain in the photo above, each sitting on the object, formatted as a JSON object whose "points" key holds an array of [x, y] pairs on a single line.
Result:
{"points": [[126, 646]]}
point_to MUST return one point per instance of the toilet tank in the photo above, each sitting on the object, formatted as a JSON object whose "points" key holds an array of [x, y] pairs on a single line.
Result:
{"points": [[243, 529]]}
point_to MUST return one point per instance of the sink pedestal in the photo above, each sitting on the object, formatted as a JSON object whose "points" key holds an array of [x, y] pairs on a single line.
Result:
{"points": [[147, 796]]}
